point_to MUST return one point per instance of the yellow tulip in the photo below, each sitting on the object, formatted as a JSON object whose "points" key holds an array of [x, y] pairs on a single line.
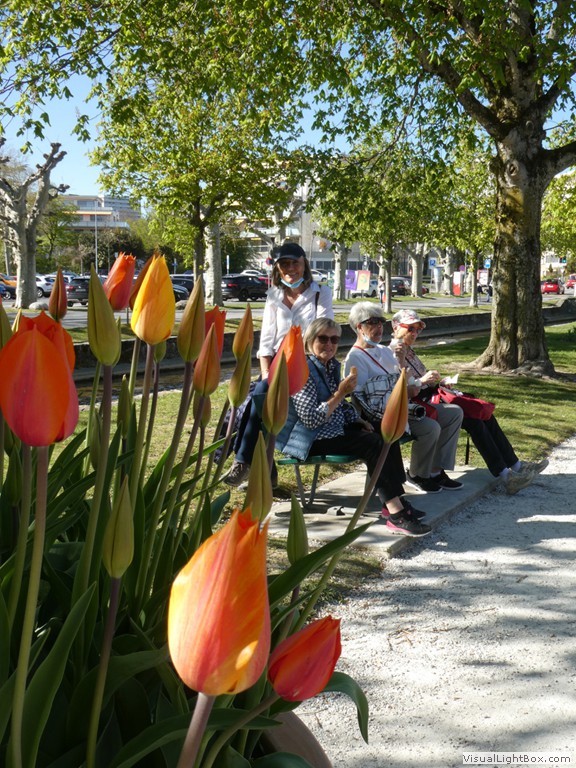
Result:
{"points": [[155, 307], [395, 415]]}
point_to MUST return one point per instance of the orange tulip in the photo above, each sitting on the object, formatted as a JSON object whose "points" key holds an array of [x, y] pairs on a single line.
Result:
{"points": [[191, 332], [218, 614], [395, 415], [244, 335], [293, 348], [37, 393], [301, 666], [155, 307], [275, 409], [207, 369], [58, 303], [216, 317], [119, 283]]}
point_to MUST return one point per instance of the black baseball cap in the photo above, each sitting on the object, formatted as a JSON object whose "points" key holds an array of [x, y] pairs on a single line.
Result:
{"points": [[287, 251]]}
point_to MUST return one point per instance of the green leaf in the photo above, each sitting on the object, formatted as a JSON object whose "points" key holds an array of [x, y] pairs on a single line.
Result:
{"points": [[282, 585], [4, 641], [44, 685], [342, 683]]}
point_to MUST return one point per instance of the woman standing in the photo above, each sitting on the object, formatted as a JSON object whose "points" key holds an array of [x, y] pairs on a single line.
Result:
{"points": [[293, 299], [321, 423]]}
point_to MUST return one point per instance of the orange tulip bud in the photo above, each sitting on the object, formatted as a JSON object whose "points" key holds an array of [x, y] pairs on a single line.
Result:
{"points": [[155, 307], [395, 415], [58, 302], [207, 369], [301, 666], [218, 614], [103, 332], [244, 335], [119, 283], [275, 410], [259, 496], [191, 333], [293, 348], [216, 317], [240, 379], [37, 371]]}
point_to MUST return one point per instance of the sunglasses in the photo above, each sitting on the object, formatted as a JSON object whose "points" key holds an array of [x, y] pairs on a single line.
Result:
{"points": [[325, 339], [411, 328], [373, 321]]}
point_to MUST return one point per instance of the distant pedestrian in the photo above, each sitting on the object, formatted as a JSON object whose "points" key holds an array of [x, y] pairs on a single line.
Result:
{"points": [[382, 288]]}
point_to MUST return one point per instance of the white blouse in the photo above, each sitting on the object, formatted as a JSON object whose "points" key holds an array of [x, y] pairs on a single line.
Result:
{"points": [[278, 318], [370, 362]]}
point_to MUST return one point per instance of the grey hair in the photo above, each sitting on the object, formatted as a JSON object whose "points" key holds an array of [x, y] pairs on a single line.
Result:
{"points": [[315, 328], [361, 311]]}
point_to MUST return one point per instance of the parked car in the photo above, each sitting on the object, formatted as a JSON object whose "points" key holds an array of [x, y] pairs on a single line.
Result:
{"points": [[253, 272], [4, 292], [401, 286], [243, 287], [319, 276], [570, 282], [180, 293], [552, 285], [66, 275], [44, 285], [9, 284], [77, 290], [372, 290], [187, 281]]}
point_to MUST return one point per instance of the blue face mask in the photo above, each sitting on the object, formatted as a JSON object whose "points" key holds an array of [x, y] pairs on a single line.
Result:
{"points": [[297, 284], [369, 341]]}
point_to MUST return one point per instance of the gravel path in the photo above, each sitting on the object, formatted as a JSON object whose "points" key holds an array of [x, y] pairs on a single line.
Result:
{"points": [[467, 641]]}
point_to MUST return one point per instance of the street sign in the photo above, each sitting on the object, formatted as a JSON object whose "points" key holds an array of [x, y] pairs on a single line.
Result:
{"points": [[487, 263], [431, 262]]}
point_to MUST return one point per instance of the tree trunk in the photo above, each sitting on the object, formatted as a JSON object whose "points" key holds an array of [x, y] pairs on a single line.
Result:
{"points": [[213, 266], [340, 264], [517, 341]]}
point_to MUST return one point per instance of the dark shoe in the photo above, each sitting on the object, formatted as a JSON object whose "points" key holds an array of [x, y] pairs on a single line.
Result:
{"points": [[446, 482], [515, 481], [411, 511], [407, 525], [425, 484], [238, 473]]}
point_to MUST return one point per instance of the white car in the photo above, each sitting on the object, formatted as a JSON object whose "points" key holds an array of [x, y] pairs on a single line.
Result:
{"points": [[318, 276], [253, 272], [372, 290], [44, 285]]}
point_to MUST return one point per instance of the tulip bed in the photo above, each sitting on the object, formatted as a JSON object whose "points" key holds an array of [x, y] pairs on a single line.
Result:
{"points": [[140, 622]]}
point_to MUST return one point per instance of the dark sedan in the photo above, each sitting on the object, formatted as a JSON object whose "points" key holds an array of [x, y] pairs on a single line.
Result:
{"points": [[243, 287], [77, 291]]}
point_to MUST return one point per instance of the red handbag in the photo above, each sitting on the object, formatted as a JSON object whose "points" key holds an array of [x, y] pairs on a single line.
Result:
{"points": [[473, 407]]}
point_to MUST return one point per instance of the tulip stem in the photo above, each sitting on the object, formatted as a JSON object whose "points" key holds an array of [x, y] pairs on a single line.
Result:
{"points": [[196, 731], [335, 559], [134, 366], [151, 419], [227, 733], [89, 426], [137, 460], [30, 609], [20, 555], [107, 638]]}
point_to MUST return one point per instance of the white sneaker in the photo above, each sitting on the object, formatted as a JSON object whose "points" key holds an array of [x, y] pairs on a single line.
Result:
{"points": [[515, 481]]}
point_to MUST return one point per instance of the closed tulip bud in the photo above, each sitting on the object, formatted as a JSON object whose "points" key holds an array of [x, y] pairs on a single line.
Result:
{"points": [[124, 407], [218, 614], [293, 349], [275, 410], [191, 333], [58, 302], [216, 317], [201, 402], [159, 352], [5, 329], [120, 281], [207, 369], [395, 415], [244, 336], [297, 541], [118, 544], [240, 379], [301, 666], [95, 434], [155, 307], [259, 495], [103, 332]]}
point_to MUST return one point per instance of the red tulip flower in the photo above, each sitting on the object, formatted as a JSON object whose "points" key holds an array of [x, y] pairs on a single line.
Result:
{"points": [[37, 393], [119, 283], [218, 615], [216, 317], [301, 666], [293, 348], [207, 369]]}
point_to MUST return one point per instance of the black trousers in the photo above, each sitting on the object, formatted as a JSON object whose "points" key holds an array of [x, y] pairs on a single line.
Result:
{"points": [[491, 442], [367, 446]]}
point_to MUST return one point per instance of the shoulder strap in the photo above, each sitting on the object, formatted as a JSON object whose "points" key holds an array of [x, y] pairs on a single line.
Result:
{"points": [[371, 358]]}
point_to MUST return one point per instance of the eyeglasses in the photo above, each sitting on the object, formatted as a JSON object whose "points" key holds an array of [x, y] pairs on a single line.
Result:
{"points": [[325, 339], [411, 328], [373, 321]]}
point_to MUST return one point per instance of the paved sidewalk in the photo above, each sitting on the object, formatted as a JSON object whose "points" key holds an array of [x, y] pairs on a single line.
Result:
{"points": [[336, 501]]}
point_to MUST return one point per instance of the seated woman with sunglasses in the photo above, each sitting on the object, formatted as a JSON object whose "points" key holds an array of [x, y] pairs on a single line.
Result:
{"points": [[435, 439], [321, 422], [487, 435]]}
